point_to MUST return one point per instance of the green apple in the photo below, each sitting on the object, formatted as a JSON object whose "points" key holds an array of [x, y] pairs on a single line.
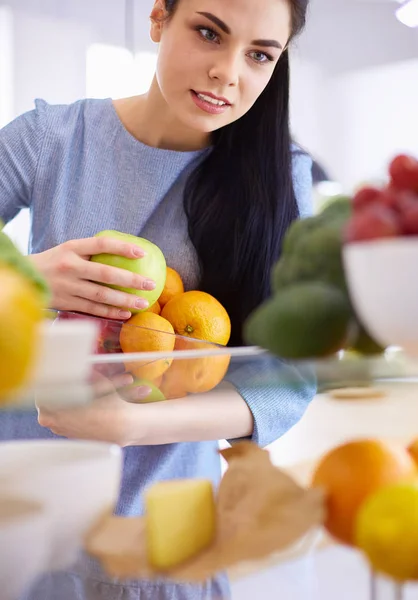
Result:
{"points": [[156, 394], [152, 265]]}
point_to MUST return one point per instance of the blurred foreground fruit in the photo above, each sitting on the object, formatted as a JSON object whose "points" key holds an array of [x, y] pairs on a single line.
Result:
{"points": [[147, 332], [387, 531], [10, 256], [20, 315], [413, 450], [350, 473], [391, 211], [180, 521], [310, 314], [198, 315], [404, 172], [304, 320]]}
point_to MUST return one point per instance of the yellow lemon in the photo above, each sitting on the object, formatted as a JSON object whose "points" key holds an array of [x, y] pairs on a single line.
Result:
{"points": [[387, 530], [20, 313]]}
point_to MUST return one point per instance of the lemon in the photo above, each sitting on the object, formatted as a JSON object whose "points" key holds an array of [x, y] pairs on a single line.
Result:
{"points": [[387, 530], [20, 313]]}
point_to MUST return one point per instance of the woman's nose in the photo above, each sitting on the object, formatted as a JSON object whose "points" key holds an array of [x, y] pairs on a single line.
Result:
{"points": [[226, 69]]}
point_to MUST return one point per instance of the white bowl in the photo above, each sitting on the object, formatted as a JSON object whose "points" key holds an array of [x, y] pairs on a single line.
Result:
{"points": [[383, 285], [76, 482], [24, 545]]}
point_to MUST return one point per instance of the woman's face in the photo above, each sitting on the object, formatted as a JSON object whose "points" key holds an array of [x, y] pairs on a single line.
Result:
{"points": [[216, 57]]}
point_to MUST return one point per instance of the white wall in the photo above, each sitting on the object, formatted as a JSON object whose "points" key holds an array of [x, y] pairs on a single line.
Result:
{"points": [[50, 59], [6, 65], [357, 121], [378, 117], [306, 107]]}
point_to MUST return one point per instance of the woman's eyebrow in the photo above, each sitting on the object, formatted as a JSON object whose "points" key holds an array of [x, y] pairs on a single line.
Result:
{"points": [[217, 22], [226, 29]]}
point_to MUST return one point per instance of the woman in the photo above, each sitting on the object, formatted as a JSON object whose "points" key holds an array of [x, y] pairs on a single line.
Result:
{"points": [[203, 166]]}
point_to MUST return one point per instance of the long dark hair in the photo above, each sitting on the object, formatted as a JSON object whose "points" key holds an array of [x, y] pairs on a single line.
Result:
{"points": [[240, 200]]}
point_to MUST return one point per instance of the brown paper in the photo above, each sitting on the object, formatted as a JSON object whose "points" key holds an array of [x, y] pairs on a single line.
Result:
{"points": [[260, 511]]}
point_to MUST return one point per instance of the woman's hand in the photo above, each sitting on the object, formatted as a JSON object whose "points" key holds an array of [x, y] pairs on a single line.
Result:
{"points": [[75, 281], [108, 418]]}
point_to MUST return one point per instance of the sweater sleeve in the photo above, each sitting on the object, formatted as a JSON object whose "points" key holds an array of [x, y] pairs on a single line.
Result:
{"points": [[277, 392], [20, 148]]}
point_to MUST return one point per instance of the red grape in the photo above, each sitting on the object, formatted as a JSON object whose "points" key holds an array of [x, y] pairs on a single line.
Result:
{"points": [[365, 197], [373, 222], [408, 213], [404, 172]]}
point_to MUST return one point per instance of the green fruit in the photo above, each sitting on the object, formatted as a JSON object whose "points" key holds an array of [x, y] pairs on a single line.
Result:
{"points": [[11, 256], [298, 231], [152, 265], [155, 395], [318, 258], [305, 320], [339, 207], [365, 344]]}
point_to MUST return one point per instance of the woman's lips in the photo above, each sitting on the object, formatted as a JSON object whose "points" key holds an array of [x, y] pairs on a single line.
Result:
{"points": [[207, 105]]}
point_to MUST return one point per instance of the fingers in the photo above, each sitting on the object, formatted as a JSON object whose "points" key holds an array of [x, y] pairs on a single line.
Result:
{"points": [[101, 294], [112, 276], [98, 310], [105, 245]]}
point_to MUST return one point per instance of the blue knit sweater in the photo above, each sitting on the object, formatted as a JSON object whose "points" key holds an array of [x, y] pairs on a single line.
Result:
{"points": [[79, 171]]}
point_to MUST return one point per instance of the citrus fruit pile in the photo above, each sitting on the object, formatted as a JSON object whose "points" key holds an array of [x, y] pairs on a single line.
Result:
{"points": [[176, 321], [371, 489]]}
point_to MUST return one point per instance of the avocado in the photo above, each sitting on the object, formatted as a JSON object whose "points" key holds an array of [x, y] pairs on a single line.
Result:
{"points": [[304, 320]]}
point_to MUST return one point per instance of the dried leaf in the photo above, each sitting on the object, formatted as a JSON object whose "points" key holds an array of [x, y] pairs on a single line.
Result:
{"points": [[260, 511]]}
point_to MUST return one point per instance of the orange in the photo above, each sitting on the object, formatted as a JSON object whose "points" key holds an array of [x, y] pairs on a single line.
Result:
{"points": [[155, 308], [147, 332], [157, 382], [194, 375], [413, 450], [173, 287], [350, 473], [198, 315], [173, 383]]}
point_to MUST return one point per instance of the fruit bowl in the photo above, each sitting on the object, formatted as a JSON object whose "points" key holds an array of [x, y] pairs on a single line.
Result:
{"points": [[381, 277]]}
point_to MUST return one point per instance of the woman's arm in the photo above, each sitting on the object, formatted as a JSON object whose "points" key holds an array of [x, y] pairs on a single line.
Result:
{"points": [[221, 414]]}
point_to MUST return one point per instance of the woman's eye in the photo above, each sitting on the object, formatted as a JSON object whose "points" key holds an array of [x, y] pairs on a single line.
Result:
{"points": [[260, 57], [208, 34]]}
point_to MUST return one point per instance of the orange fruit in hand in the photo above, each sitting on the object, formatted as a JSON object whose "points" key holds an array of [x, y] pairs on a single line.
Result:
{"points": [[155, 308], [198, 315], [173, 287], [147, 332], [350, 473]]}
